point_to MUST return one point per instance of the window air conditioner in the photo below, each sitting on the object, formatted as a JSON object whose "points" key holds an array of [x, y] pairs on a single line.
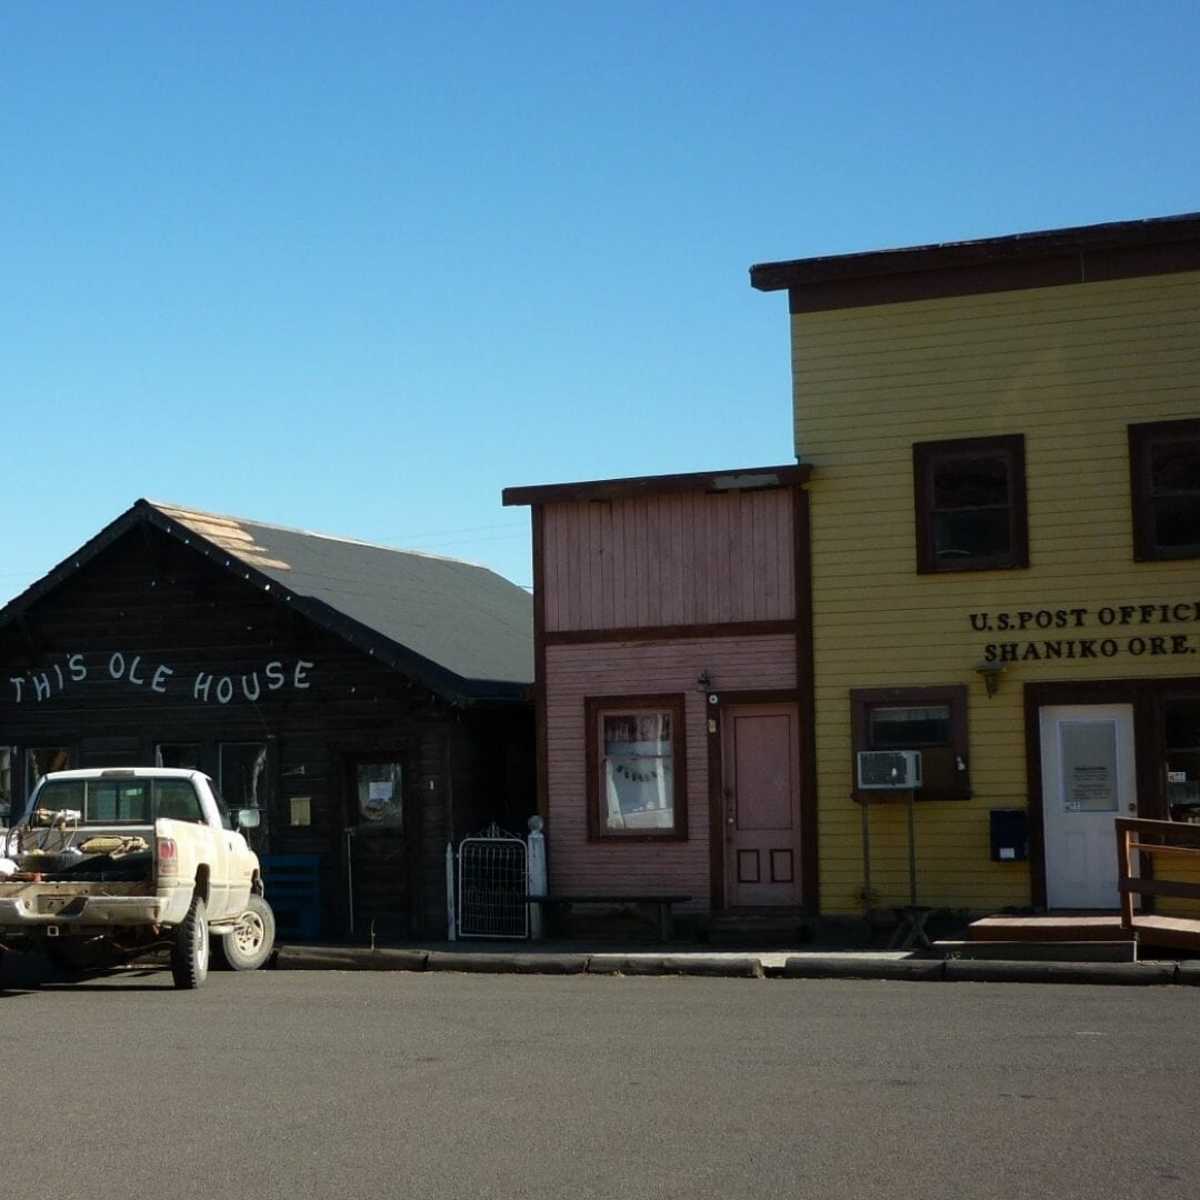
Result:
{"points": [[889, 770]]}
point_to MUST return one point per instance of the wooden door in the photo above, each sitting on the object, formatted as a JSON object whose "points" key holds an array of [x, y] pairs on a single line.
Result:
{"points": [[1088, 779], [377, 850], [761, 766]]}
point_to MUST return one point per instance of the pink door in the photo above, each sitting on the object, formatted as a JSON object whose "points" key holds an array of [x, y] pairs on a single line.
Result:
{"points": [[761, 764]]}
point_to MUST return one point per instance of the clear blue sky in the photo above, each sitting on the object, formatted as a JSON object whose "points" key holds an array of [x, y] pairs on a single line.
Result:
{"points": [[356, 267]]}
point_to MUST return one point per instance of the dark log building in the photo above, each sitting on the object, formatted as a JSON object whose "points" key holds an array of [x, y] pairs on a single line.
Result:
{"points": [[372, 703]]}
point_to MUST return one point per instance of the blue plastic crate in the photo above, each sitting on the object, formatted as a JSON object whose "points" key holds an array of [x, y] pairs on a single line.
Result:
{"points": [[293, 886]]}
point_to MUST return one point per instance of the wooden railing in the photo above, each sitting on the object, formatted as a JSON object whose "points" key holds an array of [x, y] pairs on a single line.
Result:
{"points": [[1157, 839]]}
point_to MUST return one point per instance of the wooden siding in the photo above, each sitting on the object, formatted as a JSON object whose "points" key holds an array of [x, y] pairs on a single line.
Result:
{"points": [[692, 559], [149, 596], [620, 668], [1070, 368]]}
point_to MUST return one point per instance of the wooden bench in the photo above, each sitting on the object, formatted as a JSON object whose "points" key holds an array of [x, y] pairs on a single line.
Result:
{"points": [[661, 904]]}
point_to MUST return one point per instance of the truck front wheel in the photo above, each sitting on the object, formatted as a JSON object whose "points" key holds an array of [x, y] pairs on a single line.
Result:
{"points": [[189, 954], [249, 944]]}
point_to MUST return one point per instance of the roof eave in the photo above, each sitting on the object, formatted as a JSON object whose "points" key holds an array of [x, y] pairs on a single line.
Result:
{"points": [[738, 479], [1069, 246]]}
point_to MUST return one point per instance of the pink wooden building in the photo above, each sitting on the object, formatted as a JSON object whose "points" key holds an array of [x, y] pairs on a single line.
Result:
{"points": [[674, 700]]}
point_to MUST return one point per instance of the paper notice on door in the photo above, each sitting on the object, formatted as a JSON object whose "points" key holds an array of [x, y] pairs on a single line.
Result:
{"points": [[381, 791], [1091, 786], [1089, 763]]}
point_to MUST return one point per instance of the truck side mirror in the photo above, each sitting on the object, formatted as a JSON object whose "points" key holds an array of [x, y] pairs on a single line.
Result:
{"points": [[249, 818]]}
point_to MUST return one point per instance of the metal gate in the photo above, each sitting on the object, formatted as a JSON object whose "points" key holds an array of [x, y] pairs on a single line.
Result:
{"points": [[493, 885]]}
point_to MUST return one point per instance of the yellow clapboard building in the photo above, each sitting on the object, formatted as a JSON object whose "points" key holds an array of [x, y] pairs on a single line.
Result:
{"points": [[1004, 438]]}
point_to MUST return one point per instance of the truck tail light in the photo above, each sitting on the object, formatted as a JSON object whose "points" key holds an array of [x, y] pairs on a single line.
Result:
{"points": [[168, 856]]}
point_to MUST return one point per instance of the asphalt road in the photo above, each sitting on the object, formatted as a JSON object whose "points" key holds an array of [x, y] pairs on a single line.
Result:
{"points": [[294, 1084]]}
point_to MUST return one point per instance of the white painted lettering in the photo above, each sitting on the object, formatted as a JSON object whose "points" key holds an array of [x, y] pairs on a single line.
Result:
{"points": [[224, 689], [133, 666], [116, 665], [159, 682], [298, 677], [202, 684], [58, 672], [41, 687], [78, 667], [251, 696], [275, 676], [16, 681]]}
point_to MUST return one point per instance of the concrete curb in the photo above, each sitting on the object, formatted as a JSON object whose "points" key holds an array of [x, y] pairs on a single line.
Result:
{"points": [[357, 958], [829, 967], [1121, 974], [808, 966], [350, 958], [713, 968], [1189, 973], [507, 964]]}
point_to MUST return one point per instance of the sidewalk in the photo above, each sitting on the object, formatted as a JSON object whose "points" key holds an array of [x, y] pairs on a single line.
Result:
{"points": [[576, 958]]}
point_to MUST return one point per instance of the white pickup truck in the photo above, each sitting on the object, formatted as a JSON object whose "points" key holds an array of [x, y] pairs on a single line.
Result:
{"points": [[106, 865]]}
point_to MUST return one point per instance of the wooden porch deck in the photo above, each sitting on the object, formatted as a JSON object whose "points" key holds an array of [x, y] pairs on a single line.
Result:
{"points": [[1052, 927], [1180, 933]]}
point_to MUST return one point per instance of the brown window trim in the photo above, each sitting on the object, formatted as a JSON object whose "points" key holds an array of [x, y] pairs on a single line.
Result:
{"points": [[675, 703], [862, 700], [1012, 447], [27, 752], [1142, 438]]}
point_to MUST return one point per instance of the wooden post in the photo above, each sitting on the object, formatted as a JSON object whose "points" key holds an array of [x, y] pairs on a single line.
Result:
{"points": [[912, 849], [866, 848], [1125, 872], [536, 872], [451, 907]]}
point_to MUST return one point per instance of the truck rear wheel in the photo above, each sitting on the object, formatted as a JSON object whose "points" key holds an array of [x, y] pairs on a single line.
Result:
{"points": [[249, 944], [189, 954]]}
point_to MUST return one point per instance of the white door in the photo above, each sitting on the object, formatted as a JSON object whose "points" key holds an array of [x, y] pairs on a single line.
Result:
{"points": [[1088, 780]]}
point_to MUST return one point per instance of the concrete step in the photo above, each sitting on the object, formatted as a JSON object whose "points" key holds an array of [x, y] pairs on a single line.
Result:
{"points": [[1039, 951], [1054, 928]]}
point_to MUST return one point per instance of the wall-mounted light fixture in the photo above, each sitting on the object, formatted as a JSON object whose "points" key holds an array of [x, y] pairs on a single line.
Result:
{"points": [[990, 673], [704, 681]]}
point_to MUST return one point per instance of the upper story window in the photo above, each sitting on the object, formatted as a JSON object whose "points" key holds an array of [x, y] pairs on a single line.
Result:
{"points": [[970, 501], [1164, 468]]}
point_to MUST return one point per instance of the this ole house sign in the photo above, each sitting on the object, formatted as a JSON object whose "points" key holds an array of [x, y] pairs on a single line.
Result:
{"points": [[133, 670]]}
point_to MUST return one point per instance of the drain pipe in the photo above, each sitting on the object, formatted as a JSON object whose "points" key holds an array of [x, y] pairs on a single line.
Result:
{"points": [[448, 792], [350, 875]]}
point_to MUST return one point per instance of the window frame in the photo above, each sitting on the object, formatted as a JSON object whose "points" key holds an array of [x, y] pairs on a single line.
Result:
{"points": [[926, 455], [863, 700], [9, 756], [596, 707], [1142, 439], [200, 755], [264, 800], [27, 768]]}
